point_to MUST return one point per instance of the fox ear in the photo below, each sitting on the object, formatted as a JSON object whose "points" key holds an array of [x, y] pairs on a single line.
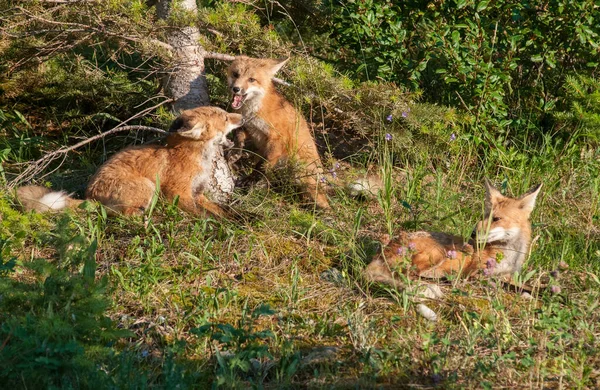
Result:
{"points": [[528, 200], [196, 131], [276, 65], [491, 195]]}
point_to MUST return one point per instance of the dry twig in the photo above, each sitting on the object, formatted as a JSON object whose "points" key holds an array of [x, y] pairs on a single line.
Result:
{"points": [[38, 166]]}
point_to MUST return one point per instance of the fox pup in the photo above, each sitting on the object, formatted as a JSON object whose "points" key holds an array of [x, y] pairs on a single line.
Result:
{"points": [[184, 167], [499, 244], [277, 130]]}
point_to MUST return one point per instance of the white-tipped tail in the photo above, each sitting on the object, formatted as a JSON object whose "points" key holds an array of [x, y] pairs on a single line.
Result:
{"points": [[43, 199], [56, 200], [364, 187]]}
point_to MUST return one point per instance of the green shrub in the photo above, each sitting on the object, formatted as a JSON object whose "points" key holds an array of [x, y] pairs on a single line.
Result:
{"points": [[53, 328], [497, 60], [583, 111]]}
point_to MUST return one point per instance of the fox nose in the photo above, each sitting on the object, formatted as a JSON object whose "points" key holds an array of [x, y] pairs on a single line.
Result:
{"points": [[235, 89]]}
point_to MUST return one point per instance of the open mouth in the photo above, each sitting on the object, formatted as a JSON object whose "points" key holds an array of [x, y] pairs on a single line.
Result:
{"points": [[238, 101]]}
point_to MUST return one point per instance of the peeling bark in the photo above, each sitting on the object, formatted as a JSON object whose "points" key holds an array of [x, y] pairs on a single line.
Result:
{"points": [[185, 81], [186, 84]]}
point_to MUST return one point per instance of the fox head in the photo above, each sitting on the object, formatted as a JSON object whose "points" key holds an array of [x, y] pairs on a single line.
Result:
{"points": [[205, 123], [505, 219], [250, 78]]}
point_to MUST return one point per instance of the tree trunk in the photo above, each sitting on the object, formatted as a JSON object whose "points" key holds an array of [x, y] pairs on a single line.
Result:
{"points": [[186, 84], [185, 81]]}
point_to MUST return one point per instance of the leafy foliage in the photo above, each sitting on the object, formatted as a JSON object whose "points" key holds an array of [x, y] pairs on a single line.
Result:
{"points": [[583, 96], [497, 60], [54, 325]]}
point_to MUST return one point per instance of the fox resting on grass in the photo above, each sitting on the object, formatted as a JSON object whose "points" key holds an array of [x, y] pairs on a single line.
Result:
{"points": [[499, 245], [185, 167], [279, 132]]}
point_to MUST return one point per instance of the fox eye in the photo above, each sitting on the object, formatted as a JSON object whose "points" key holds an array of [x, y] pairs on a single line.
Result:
{"points": [[235, 75], [251, 79], [495, 219]]}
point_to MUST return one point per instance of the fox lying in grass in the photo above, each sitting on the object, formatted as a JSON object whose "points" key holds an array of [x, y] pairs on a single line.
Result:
{"points": [[184, 167], [279, 132], [499, 245]]}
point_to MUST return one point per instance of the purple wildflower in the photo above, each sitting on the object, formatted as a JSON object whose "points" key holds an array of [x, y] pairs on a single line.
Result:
{"points": [[412, 246], [555, 289], [404, 114], [334, 174], [388, 137], [451, 254], [389, 118], [323, 179], [337, 165], [490, 264], [452, 137], [401, 251]]}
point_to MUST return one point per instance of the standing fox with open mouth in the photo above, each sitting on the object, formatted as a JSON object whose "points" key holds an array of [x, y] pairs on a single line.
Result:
{"points": [[277, 130], [499, 245], [185, 167]]}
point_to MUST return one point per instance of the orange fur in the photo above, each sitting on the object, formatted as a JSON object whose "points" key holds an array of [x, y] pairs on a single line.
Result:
{"points": [[128, 180], [500, 245], [275, 127]]}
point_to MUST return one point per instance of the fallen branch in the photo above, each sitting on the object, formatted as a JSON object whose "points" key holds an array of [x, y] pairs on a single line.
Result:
{"points": [[37, 166]]}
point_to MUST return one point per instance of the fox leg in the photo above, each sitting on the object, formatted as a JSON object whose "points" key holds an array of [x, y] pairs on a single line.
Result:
{"points": [[314, 190], [199, 205], [125, 196], [211, 207], [379, 271], [315, 193], [234, 154]]}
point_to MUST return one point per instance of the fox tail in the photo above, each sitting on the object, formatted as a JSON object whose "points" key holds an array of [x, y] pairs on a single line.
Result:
{"points": [[43, 199]]}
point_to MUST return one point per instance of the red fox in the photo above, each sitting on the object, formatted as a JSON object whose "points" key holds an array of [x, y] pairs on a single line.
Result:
{"points": [[184, 167], [499, 244], [277, 130]]}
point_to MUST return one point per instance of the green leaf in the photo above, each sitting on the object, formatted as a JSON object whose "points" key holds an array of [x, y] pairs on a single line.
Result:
{"points": [[537, 58], [482, 5]]}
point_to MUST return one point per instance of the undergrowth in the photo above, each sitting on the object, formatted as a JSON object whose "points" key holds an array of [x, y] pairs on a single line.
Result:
{"points": [[278, 301]]}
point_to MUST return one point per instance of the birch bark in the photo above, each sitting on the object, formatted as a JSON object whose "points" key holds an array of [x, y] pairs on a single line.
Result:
{"points": [[186, 84], [185, 81]]}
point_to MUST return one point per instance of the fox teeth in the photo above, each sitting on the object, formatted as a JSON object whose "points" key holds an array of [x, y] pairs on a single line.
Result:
{"points": [[237, 101]]}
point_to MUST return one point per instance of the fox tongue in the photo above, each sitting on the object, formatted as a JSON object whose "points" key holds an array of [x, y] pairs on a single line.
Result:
{"points": [[237, 101]]}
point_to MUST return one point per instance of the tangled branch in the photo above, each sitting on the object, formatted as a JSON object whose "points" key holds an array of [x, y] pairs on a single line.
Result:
{"points": [[35, 167]]}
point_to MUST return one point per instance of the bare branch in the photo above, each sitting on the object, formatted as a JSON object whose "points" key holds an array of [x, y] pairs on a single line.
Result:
{"points": [[39, 165]]}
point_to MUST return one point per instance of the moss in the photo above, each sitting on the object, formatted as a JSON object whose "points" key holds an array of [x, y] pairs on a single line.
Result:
{"points": [[17, 227]]}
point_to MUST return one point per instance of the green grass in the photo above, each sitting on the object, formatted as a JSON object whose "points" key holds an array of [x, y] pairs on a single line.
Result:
{"points": [[279, 301]]}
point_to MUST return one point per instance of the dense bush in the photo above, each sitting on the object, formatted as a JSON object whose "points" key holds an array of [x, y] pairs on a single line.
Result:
{"points": [[497, 60]]}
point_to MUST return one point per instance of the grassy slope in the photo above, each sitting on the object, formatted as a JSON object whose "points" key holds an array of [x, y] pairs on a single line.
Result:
{"points": [[189, 288], [177, 274]]}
